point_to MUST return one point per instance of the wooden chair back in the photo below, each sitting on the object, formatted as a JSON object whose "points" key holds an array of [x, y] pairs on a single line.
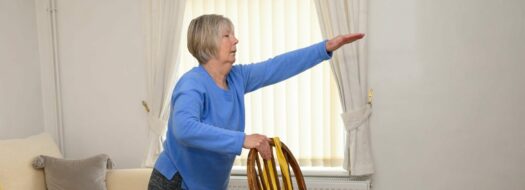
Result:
{"points": [[267, 178]]}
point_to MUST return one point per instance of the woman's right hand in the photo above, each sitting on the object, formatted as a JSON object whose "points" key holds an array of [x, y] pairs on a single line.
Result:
{"points": [[259, 142], [338, 41]]}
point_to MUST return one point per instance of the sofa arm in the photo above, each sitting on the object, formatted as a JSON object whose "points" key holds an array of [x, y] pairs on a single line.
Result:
{"points": [[128, 179]]}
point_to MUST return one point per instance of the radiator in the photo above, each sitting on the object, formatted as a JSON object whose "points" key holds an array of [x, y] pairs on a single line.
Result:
{"points": [[312, 183]]}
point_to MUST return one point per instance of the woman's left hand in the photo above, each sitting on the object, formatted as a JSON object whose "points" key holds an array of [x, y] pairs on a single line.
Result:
{"points": [[335, 43], [259, 142]]}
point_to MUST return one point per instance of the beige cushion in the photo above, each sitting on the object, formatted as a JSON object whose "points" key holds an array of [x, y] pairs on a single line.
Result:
{"points": [[86, 174], [128, 179], [16, 156]]}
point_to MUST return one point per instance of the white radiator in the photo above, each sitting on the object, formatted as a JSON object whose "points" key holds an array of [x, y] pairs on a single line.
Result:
{"points": [[312, 183]]}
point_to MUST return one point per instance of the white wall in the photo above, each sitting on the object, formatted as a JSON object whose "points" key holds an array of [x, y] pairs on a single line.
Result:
{"points": [[449, 88], [20, 94], [102, 75]]}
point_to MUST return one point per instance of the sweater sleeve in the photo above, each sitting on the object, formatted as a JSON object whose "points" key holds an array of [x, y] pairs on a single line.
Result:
{"points": [[187, 105], [284, 66]]}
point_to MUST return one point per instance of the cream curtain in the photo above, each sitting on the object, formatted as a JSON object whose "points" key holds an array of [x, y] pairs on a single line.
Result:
{"points": [[163, 26], [303, 110], [349, 64]]}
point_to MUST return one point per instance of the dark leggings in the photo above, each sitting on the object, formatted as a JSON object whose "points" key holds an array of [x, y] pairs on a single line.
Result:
{"points": [[157, 181]]}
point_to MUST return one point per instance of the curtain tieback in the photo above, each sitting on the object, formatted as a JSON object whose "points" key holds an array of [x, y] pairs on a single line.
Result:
{"points": [[354, 119], [156, 125]]}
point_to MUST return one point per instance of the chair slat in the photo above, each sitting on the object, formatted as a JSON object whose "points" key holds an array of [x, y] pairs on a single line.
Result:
{"points": [[257, 174], [295, 167], [267, 175], [276, 176], [260, 182]]}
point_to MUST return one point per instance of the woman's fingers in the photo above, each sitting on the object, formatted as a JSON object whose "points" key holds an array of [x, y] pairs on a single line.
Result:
{"points": [[265, 151], [348, 38], [259, 142], [335, 43]]}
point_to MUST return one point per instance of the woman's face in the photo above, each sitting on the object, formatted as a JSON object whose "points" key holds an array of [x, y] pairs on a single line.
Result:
{"points": [[227, 46]]}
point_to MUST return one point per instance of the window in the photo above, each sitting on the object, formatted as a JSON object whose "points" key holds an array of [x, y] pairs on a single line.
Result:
{"points": [[304, 110]]}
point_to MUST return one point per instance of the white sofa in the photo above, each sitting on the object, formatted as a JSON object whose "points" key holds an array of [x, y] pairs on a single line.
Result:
{"points": [[17, 173]]}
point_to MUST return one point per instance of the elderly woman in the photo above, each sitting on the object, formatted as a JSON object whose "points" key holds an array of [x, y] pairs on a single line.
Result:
{"points": [[206, 125]]}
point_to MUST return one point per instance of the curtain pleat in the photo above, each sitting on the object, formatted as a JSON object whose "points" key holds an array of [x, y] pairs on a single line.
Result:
{"points": [[349, 66], [162, 26]]}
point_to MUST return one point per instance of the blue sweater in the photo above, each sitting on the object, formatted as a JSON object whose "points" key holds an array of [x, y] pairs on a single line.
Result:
{"points": [[206, 125]]}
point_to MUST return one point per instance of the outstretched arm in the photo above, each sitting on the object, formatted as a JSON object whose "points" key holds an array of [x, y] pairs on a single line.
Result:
{"points": [[338, 41], [289, 64]]}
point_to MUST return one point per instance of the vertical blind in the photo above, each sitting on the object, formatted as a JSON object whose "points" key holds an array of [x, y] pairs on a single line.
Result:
{"points": [[303, 110]]}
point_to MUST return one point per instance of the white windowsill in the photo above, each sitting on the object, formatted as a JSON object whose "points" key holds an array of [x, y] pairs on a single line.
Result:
{"points": [[307, 171]]}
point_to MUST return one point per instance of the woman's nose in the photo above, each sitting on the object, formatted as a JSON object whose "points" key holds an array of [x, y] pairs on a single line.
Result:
{"points": [[235, 40]]}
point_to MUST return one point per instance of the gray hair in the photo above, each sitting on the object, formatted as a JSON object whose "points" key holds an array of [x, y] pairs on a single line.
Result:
{"points": [[204, 34]]}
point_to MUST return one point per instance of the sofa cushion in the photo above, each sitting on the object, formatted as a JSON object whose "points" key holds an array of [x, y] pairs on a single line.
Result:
{"points": [[128, 179], [16, 156], [86, 174]]}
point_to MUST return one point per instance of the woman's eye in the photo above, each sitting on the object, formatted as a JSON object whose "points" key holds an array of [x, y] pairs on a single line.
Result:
{"points": [[227, 35]]}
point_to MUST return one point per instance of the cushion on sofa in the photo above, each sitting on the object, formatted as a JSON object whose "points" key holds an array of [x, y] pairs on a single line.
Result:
{"points": [[16, 157], [85, 174]]}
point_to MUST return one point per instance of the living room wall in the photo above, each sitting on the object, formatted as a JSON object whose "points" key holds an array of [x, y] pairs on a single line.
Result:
{"points": [[449, 87], [20, 85], [101, 53]]}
